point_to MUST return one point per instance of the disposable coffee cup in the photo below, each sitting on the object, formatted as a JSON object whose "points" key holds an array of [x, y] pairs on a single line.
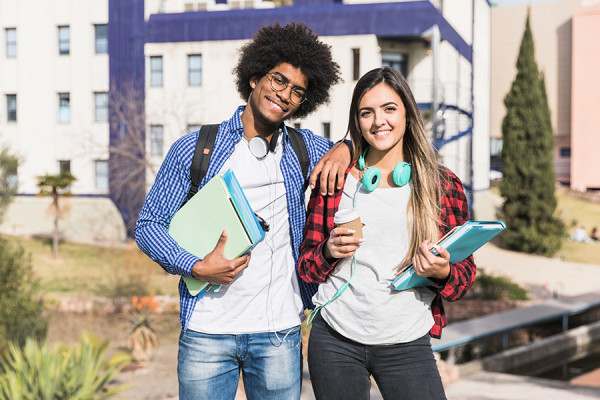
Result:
{"points": [[350, 219]]}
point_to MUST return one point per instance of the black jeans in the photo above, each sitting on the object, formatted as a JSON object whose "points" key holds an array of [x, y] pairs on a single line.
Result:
{"points": [[340, 368]]}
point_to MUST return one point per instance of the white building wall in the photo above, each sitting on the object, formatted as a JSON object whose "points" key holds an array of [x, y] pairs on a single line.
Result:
{"points": [[459, 13], [481, 97], [38, 74], [176, 105]]}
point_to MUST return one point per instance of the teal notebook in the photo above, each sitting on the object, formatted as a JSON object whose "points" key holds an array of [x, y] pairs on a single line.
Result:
{"points": [[460, 242], [218, 205]]}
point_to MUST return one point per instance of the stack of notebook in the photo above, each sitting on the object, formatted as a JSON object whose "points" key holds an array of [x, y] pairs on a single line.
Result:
{"points": [[219, 205]]}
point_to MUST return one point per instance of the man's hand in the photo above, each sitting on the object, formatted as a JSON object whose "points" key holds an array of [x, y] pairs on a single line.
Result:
{"points": [[331, 167], [428, 264], [215, 268]]}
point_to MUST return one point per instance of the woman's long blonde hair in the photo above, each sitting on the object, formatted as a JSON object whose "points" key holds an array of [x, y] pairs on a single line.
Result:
{"points": [[427, 174]]}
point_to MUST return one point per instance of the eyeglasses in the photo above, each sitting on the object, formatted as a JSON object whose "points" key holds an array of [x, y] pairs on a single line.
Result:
{"points": [[280, 82]]}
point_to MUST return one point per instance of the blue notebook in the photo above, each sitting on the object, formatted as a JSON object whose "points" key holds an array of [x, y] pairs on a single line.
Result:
{"points": [[460, 242], [197, 226]]}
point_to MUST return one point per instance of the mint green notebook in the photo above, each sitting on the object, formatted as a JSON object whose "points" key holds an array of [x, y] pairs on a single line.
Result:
{"points": [[461, 242], [197, 225]]}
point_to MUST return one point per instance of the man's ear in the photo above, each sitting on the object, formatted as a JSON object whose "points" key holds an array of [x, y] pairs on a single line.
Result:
{"points": [[253, 82]]}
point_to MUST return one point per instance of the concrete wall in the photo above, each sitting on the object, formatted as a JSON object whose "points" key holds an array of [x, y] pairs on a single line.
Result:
{"points": [[86, 219], [557, 347]]}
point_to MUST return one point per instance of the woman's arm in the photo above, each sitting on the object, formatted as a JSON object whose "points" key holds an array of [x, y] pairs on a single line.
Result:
{"points": [[455, 211], [312, 265]]}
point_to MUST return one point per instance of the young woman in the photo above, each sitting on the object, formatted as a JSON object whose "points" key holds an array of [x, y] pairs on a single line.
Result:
{"points": [[364, 326]]}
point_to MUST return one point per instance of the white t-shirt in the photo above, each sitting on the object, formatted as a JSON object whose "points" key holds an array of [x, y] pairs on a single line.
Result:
{"points": [[370, 311], [265, 297]]}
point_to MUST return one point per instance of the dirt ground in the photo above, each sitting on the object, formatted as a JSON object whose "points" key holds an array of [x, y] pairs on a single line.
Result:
{"points": [[155, 379]]}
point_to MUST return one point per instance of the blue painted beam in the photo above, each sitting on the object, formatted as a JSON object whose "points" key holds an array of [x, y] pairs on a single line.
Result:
{"points": [[407, 20], [127, 80]]}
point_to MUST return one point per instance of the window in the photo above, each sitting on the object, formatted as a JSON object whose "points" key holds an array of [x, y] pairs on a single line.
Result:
{"points": [[64, 166], [101, 107], [156, 71], [11, 107], [12, 181], [195, 69], [193, 127], [101, 38], [101, 175], [64, 40], [355, 64], [64, 108], [565, 152], [11, 42], [327, 130], [156, 140], [398, 61]]}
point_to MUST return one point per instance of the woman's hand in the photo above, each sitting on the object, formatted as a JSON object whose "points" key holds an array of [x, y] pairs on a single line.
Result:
{"points": [[341, 244], [429, 265]]}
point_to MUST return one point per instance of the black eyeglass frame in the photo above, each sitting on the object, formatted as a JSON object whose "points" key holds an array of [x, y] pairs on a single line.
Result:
{"points": [[286, 82]]}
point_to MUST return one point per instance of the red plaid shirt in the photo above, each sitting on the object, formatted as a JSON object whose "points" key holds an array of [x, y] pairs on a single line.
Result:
{"points": [[313, 267]]}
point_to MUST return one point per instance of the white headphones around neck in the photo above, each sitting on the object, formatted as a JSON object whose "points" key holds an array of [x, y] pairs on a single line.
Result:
{"points": [[260, 147]]}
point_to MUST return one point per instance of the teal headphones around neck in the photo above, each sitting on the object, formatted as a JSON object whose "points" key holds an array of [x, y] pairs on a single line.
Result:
{"points": [[372, 175]]}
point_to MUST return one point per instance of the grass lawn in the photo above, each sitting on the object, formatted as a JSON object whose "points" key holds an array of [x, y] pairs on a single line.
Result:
{"points": [[88, 270], [575, 213]]}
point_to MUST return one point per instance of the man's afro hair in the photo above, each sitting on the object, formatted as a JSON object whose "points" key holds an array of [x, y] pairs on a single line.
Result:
{"points": [[297, 45]]}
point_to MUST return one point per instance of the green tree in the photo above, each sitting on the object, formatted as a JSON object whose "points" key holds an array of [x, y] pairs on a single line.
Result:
{"points": [[55, 185], [8, 173], [528, 184], [21, 306]]}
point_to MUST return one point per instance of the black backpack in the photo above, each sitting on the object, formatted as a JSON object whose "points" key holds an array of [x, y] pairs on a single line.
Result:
{"points": [[206, 142]]}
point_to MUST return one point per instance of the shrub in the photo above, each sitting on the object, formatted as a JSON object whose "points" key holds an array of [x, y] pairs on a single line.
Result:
{"points": [[129, 276], [36, 371], [21, 306], [488, 287], [142, 340]]}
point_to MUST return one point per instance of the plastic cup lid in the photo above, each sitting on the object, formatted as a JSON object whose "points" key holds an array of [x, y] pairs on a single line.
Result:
{"points": [[345, 215]]}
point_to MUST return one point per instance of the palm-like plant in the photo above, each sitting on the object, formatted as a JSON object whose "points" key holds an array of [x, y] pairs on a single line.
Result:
{"points": [[142, 338], [37, 371], [53, 185]]}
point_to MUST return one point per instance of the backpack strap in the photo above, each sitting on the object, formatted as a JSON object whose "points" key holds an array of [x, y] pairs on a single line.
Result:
{"points": [[299, 147], [206, 141]]}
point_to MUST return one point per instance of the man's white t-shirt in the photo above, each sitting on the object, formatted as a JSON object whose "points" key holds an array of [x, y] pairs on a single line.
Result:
{"points": [[265, 297]]}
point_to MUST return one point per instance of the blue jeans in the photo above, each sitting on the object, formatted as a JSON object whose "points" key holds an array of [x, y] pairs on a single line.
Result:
{"points": [[209, 365], [340, 368]]}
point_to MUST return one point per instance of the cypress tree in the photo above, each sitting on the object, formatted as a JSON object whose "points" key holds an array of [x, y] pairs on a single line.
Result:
{"points": [[528, 184]]}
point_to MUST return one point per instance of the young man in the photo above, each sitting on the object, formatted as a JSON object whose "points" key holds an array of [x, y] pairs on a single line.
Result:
{"points": [[252, 324]]}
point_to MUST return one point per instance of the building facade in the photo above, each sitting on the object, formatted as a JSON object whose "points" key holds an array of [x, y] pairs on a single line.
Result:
{"points": [[565, 53], [90, 85]]}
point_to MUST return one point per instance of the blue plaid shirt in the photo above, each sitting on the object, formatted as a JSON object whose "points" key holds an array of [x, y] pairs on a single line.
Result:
{"points": [[173, 183]]}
